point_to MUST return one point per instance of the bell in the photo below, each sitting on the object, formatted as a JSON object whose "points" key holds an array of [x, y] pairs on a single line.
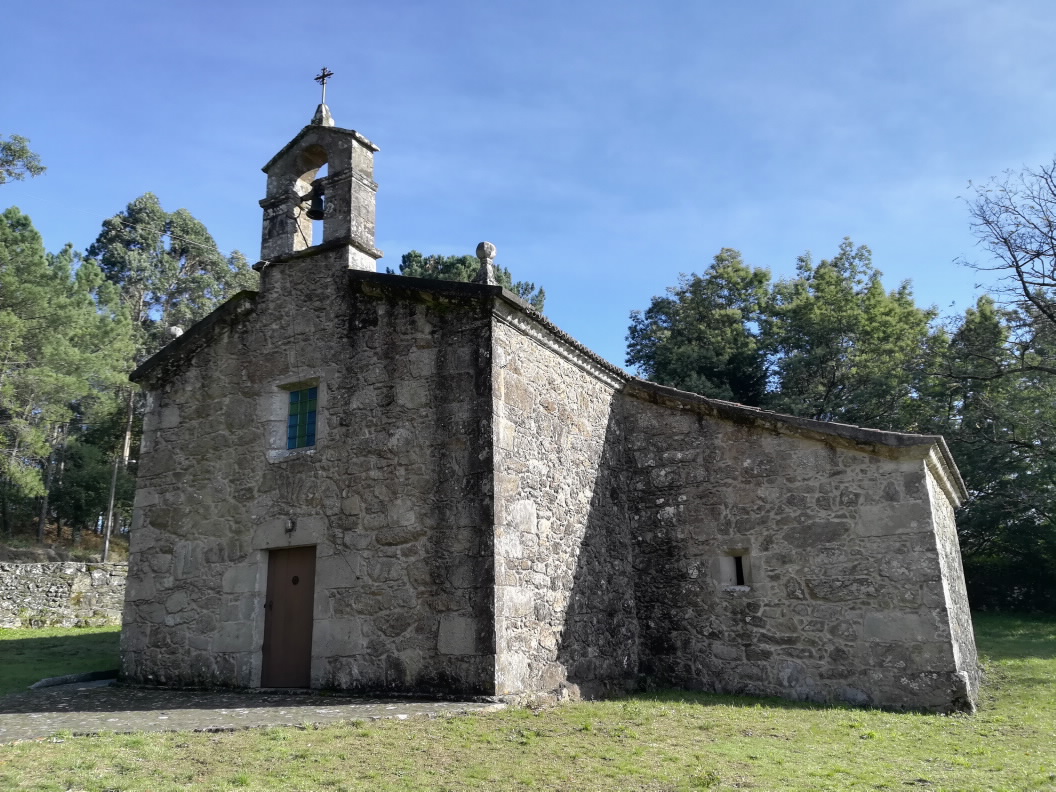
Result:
{"points": [[316, 211]]}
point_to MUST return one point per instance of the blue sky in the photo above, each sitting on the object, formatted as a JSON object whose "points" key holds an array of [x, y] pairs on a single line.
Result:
{"points": [[604, 147]]}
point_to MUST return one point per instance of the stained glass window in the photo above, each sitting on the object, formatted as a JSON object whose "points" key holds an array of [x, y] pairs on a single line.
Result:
{"points": [[300, 430]]}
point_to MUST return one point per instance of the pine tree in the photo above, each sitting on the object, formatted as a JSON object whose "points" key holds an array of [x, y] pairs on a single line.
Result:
{"points": [[17, 160], [64, 343], [169, 273]]}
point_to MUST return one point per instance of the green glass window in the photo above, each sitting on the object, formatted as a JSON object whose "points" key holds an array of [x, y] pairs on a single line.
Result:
{"points": [[300, 430]]}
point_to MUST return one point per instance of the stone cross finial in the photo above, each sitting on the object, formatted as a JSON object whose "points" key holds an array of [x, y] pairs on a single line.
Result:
{"points": [[486, 274], [322, 115], [321, 78]]}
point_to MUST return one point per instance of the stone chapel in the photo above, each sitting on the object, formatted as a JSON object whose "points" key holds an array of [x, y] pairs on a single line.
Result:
{"points": [[368, 482]]}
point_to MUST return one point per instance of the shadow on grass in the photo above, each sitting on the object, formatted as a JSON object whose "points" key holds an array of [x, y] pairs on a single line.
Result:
{"points": [[135, 699], [703, 699], [1004, 636], [118, 698], [27, 656]]}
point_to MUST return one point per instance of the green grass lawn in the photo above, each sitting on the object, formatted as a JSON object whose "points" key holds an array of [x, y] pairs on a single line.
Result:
{"points": [[27, 656], [675, 741]]}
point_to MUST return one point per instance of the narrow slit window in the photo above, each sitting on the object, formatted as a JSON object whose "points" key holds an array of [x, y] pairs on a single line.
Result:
{"points": [[734, 570], [300, 432]]}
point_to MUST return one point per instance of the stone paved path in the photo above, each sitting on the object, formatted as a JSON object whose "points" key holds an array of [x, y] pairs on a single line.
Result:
{"points": [[93, 707]]}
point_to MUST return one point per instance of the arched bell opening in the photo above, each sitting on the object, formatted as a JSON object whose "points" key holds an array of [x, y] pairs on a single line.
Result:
{"points": [[320, 189], [317, 204], [312, 162]]}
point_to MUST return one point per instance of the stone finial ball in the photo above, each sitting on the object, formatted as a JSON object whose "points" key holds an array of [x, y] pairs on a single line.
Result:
{"points": [[485, 251]]}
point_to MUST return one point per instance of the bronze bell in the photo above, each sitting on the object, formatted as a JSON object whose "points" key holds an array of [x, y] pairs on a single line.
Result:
{"points": [[316, 211]]}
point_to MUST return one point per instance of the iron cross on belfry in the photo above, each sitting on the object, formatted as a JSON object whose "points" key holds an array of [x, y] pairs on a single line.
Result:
{"points": [[321, 78]]}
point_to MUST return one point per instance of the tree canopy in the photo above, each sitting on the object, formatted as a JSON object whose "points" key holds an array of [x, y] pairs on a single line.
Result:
{"points": [[703, 336], [17, 160], [1014, 219], [842, 348], [1002, 368], [833, 344], [71, 330], [830, 343], [167, 267], [1000, 423], [65, 343]]}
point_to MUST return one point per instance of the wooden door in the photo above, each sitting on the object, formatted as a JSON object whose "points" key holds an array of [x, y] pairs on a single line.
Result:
{"points": [[287, 650]]}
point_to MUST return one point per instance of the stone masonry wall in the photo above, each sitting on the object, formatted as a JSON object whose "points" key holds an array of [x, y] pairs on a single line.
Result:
{"points": [[956, 593], [843, 599], [564, 591], [66, 594], [494, 511], [390, 496]]}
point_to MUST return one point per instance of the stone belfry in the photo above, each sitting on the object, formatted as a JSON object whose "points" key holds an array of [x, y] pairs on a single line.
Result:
{"points": [[343, 198]]}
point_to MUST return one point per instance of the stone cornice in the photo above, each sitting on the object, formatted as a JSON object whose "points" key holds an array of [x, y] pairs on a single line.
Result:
{"points": [[893, 445], [325, 247], [349, 174], [358, 137], [941, 465], [179, 351], [546, 335]]}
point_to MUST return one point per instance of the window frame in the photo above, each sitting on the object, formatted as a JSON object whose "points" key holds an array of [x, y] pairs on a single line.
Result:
{"points": [[302, 419], [274, 404]]}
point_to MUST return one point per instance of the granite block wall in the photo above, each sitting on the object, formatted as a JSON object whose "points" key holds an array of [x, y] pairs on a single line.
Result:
{"points": [[843, 597], [496, 511], [62, 594], [395, 495], [962, 634], [564, 601]]}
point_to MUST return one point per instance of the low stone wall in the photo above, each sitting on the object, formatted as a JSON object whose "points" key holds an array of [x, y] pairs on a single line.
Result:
{"points": [[65, 594]]}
